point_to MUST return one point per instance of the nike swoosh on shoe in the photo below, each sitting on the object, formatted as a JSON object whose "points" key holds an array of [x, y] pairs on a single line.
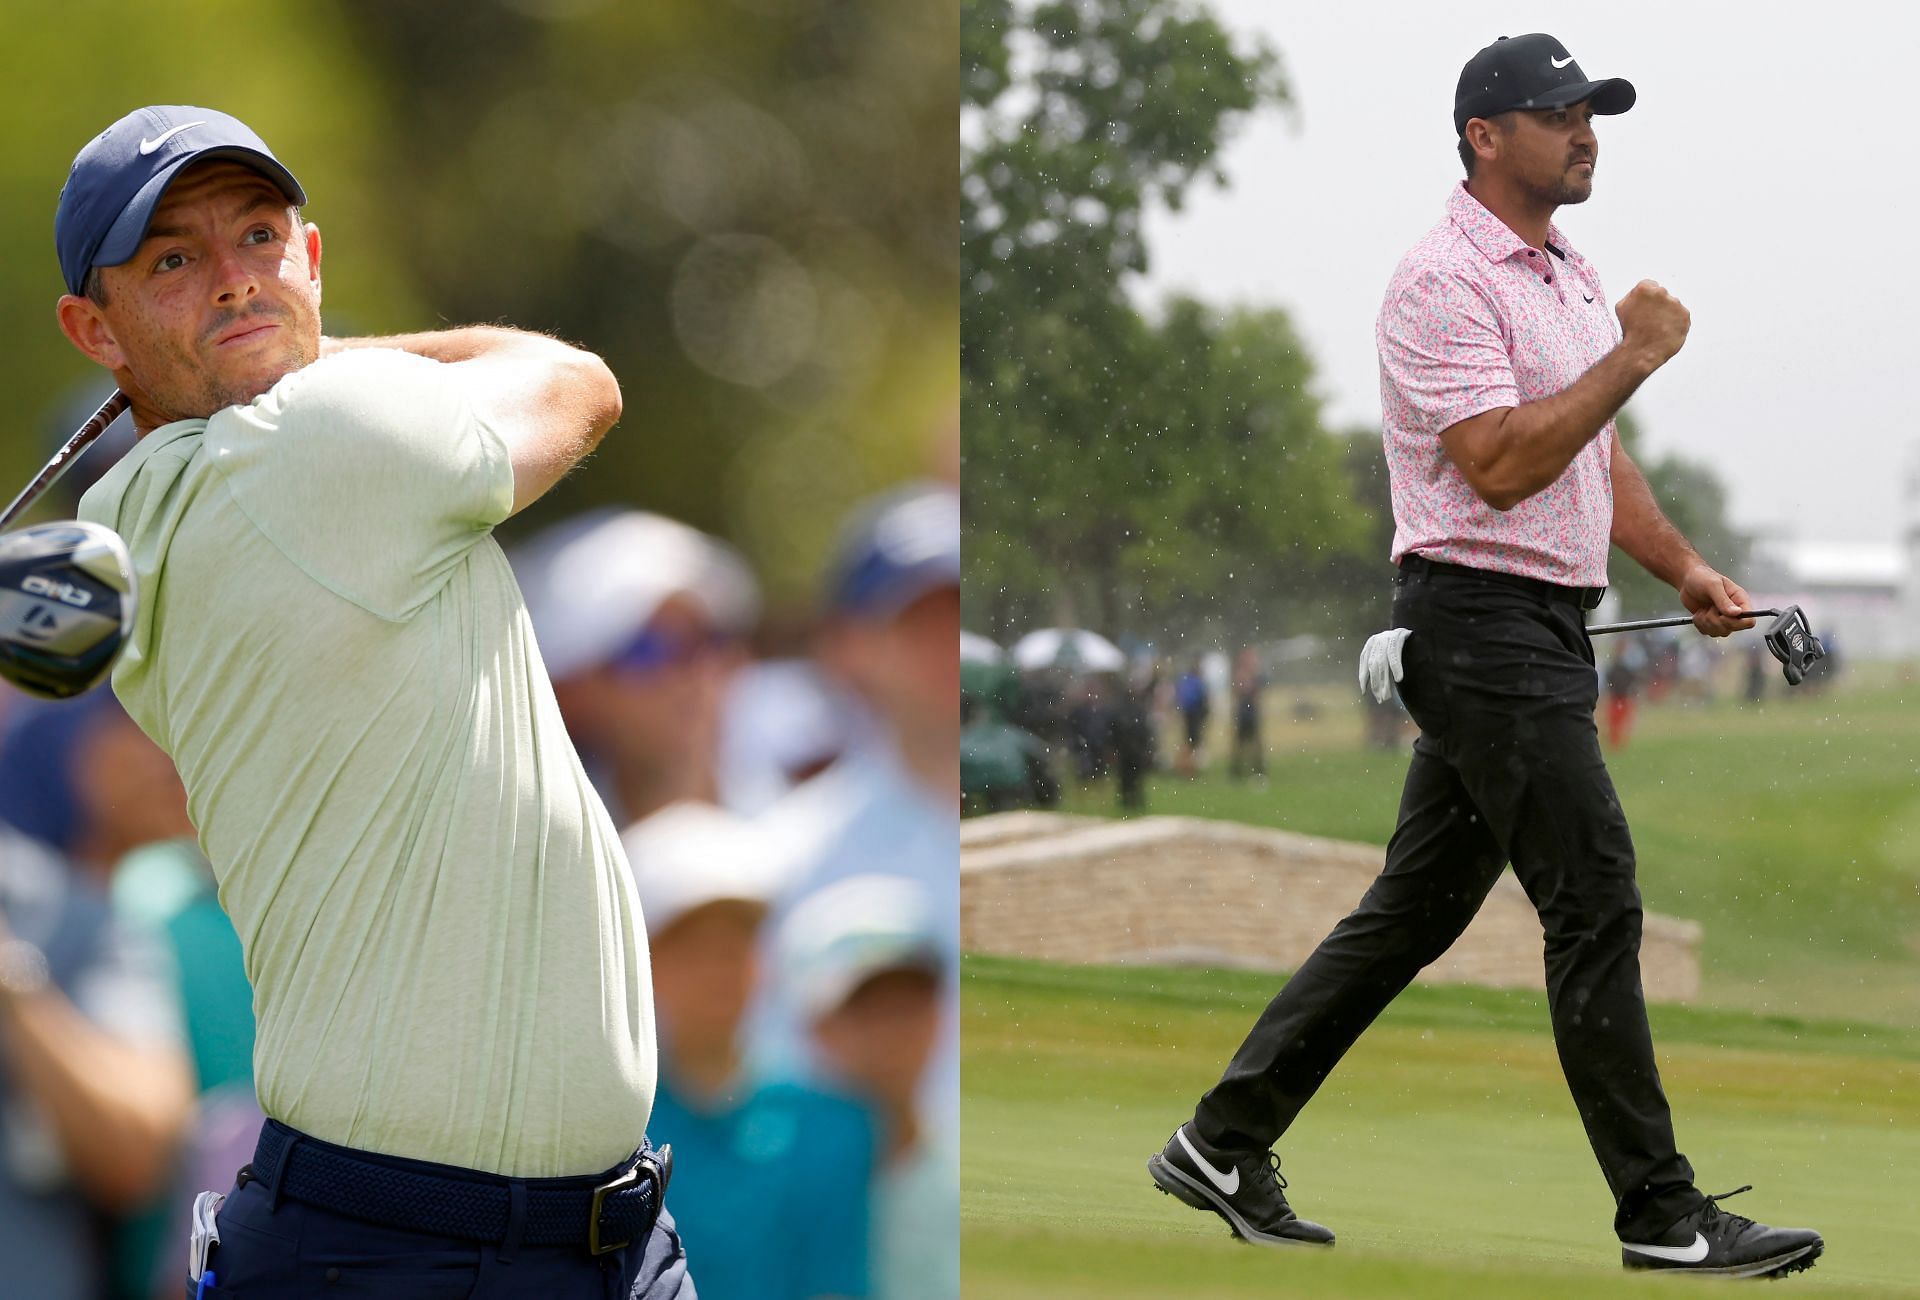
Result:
{"points": [[1228, 1183], [1678, 1254]]}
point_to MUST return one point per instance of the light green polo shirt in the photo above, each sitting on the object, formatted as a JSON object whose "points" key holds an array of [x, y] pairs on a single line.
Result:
{"points": [[447, 955]]}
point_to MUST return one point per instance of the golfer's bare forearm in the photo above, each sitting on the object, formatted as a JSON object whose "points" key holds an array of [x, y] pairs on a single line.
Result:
{"points": [[118, 1109], [1509, 454], [1642, 529]]}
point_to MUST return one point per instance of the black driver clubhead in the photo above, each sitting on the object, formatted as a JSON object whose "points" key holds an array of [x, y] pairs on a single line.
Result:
{"points": [[66, 607], [1794, 644]]}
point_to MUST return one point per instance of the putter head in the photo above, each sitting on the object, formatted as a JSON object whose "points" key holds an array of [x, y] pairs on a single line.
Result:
{"points": [[66, 607], [1794, 644]]}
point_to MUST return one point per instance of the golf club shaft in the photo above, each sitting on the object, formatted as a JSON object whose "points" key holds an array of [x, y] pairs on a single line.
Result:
{"points": [[64, 458], [1673, 620]]}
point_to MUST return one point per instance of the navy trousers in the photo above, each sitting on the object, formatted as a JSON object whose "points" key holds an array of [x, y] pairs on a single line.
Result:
{"points": [[278, 1247], [1507, 769]]}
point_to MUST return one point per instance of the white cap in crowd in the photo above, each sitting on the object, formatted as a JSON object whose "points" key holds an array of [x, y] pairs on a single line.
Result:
{"points": [[593, 583], [690, 854], [783, 718], [846, 932]]}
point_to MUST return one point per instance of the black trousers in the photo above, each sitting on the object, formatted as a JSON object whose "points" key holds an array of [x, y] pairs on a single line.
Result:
{"points": [[1507, 768]]}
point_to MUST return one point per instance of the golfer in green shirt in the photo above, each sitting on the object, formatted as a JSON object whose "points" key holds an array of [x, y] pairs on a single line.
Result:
{"points": [[455, 1025]]}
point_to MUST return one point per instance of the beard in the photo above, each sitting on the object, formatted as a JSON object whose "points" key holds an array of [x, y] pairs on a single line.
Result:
{"points": [[1563, 190], [190, 384]]}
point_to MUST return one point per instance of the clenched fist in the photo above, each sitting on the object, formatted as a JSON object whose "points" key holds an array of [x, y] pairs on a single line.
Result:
{"points": [[1652, 322]]}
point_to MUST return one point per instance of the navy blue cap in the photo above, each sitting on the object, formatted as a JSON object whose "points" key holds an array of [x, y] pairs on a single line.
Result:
{"points": [[121, 175], [898, 548]]}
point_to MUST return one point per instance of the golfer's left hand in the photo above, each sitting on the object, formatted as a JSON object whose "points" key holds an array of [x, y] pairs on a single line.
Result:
{"points": [[1715, 601]]}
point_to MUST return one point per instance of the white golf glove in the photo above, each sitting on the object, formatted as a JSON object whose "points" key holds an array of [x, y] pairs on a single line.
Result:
{"points": [[1380, 665]]}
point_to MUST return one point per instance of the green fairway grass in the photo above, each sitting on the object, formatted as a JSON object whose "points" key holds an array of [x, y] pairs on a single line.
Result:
{"points": [[1445, 1151], [1790, 829]]}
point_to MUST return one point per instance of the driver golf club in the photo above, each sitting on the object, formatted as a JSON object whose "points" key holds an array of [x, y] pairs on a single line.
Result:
{"points": [[1789, 638], [66, 589]]}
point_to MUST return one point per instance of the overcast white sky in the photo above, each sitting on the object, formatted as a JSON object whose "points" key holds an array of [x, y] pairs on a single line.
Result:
{"points": [[1767, 176]]}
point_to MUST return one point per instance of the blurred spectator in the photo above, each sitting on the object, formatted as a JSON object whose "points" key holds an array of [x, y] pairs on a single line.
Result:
{"points": [[95, 1086], [1756, 671], [1133, 740], [1089, 729], [1696, 669], [770, 1179], [864, 959], [1249, 687], [1190, 698], [641, 622], [1040, 707], [1663, 665], [134, 824], [891, 804], [1001, 766], [782, 724], [1627, 675], [37, 793], [123, 822]]}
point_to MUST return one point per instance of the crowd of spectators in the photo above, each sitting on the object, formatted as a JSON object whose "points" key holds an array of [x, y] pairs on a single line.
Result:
{"points": [[789, 811], [1152, 715]]}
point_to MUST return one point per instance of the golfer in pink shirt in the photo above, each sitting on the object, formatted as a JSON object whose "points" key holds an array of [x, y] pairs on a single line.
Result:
{"points": [[1502, 366]]}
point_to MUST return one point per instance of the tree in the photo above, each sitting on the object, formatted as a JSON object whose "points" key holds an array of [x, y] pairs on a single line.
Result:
{"points": [[1138, 474], [1695, 499], [746, 208]]}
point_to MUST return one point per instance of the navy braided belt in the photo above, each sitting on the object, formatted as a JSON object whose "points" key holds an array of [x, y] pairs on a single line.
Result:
{"points": [[599, 1212]]}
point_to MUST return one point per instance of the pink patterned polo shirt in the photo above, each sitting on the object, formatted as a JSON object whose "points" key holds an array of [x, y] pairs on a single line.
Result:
{"points": [[1475, 320]]}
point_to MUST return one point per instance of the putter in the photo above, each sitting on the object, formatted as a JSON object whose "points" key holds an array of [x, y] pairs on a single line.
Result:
{"points": [[1788, 638], [66, 589]]}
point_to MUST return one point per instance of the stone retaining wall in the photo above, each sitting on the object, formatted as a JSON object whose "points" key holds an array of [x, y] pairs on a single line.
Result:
{"points": [[1192, 891]]}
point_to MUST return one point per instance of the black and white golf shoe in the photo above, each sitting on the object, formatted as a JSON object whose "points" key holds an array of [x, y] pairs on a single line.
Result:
{"points": [[1243, 1187], [1717, 1244]]}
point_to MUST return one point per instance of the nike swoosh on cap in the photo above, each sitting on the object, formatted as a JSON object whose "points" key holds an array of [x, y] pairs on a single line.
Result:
{"points": [[1228, 1183], [1559, 63], [148, 146], [1678, 1254]]}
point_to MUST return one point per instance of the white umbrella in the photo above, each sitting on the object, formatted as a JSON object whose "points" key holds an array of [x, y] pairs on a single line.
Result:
{"points": [[976, 649], [1068, 647]]}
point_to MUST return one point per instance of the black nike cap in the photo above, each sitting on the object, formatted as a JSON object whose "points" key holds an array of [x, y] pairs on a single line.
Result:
{"points": [[1532, 71]]}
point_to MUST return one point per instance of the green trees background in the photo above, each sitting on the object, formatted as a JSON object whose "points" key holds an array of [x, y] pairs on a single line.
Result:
{"points": [[1133, 471], [1160, 473], [747, 206]]}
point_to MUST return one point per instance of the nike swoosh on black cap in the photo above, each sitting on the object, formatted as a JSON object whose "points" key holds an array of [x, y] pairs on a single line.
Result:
{"points": [[1531, 71]]}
